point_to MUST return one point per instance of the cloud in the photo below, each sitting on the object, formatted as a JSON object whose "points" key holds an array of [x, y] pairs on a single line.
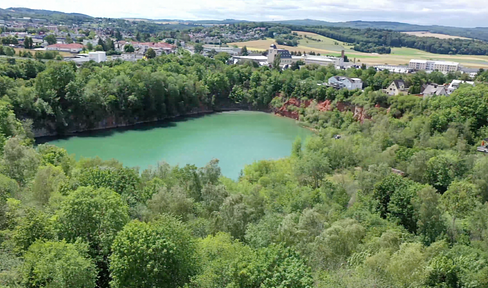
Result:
{"points": [[465, 13]]}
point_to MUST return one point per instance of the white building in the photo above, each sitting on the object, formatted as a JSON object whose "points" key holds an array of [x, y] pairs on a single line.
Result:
{"points": [[394, 69], [321, 60], [346, 82], [429, 65], [231, 50], [261, 60], [131, 56], [99, 56], [455, 85], [73, 47], [288, 59]]}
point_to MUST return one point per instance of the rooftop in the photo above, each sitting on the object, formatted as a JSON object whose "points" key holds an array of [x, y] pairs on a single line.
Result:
{"points": [[434, 61], [163, 45], [67, 46]]}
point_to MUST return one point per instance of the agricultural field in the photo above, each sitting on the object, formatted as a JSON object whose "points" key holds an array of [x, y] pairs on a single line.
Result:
{"points": [[434, 35], [399, 56], [64, 54]]}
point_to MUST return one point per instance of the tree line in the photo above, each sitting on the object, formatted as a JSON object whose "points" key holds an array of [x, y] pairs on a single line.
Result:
{"points": [[60, 97]]}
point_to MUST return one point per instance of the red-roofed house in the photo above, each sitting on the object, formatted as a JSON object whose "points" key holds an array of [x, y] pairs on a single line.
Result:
{"points": [[73, 47]]}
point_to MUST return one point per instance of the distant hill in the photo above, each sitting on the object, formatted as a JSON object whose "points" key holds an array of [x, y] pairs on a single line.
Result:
{"points": [[48, 15], [480, 33], [226, 21]]}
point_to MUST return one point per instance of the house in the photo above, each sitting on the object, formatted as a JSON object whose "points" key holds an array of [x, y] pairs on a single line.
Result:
{"points": [[433, 89], [396, 87], [131, 56], [345, 82], [455, 85], [93, 42], [73, 47]]}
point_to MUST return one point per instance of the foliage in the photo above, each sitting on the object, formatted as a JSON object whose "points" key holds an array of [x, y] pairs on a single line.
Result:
{"points": [[390, 192], [58, 264], [158, 254], [94, 215]]}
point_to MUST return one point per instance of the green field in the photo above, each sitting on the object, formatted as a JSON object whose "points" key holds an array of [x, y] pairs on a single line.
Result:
{"points": [[399, 56], [324, 44]]}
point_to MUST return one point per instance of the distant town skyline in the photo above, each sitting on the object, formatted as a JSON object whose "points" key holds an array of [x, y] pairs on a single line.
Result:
{"points": [[470, 13]]}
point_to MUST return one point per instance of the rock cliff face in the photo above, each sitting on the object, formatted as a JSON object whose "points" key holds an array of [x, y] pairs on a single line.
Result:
{"points": [[291, 106]]}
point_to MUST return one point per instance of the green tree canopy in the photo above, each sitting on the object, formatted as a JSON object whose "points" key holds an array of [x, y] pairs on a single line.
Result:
{"points": [[58, 265], [155, 254]]}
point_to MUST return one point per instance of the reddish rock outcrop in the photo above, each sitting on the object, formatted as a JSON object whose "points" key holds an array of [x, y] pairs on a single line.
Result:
{"points": [[360, 113], [286, 111]]}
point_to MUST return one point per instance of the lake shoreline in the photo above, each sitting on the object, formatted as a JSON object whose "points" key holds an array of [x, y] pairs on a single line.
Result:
{"points": [[45, 133], [298, 122], [42, 135]]}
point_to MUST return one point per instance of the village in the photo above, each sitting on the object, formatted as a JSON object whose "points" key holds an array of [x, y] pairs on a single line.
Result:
{"points": [[81, 43]]}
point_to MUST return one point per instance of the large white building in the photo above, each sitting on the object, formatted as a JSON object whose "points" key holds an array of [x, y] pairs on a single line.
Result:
{"points": [[321, 60], [429, 65], [99, 56], [73, 47], [286, 59]]}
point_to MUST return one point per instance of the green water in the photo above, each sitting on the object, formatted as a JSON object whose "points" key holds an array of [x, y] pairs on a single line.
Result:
{"points": [[235, 138]]}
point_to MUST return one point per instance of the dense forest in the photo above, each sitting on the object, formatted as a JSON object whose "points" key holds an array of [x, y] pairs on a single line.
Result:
{"points": [[333, 214], [60, 97]]}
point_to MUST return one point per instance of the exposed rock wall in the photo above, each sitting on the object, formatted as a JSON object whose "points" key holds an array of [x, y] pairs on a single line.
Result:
{"points": [[291, 106]]}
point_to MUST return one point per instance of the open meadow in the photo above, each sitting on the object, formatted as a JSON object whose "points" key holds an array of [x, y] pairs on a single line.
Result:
{"points": [[398, 56], [435, 35]]}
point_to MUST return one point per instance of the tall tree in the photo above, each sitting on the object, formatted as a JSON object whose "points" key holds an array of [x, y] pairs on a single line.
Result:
{"points": [[68, 39], [58, 265], [128, 48], [244, 51], [150, 53], [50, 39], [118, 35], [459, 200], [198, 48], [95, 216], [28, 42]]}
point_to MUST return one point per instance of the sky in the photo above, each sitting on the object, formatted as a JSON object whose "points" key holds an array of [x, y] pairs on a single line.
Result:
{"points": [[461, 13]]}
